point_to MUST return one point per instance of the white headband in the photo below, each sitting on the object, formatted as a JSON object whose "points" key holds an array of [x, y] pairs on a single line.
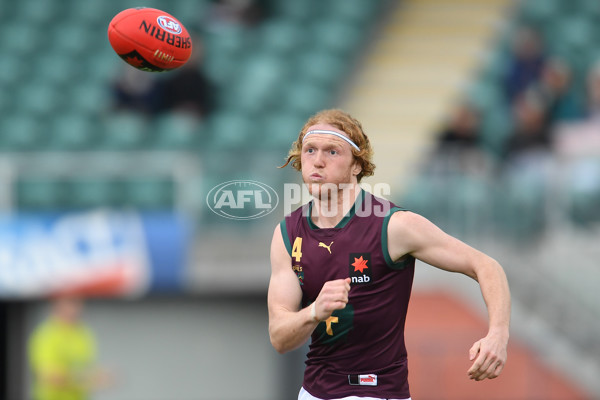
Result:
{"points": [[332, 133]]}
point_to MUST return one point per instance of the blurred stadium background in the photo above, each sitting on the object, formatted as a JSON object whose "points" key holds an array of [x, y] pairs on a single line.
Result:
{"points": [[111, 201]]}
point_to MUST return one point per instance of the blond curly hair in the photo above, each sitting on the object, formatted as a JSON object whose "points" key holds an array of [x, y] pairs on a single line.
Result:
{"points": [[347, 124]]}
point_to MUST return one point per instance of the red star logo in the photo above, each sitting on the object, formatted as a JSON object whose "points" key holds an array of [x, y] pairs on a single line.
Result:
{"points": [[360, 264]]}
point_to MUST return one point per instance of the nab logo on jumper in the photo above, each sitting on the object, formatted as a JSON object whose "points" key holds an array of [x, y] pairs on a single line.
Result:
{"points": [[359, 271]]}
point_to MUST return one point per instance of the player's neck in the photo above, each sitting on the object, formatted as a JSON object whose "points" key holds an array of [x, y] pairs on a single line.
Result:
{"points": [[328, 211]]}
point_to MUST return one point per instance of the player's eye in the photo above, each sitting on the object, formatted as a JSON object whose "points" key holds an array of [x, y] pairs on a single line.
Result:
{"points": [[333, 152], [310, 150]]}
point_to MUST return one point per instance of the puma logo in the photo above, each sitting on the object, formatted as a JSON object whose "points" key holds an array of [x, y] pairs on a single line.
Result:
{"points": [[321, 244]]}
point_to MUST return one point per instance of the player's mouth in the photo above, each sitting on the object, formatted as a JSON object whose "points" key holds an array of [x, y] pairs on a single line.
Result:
{"points": [[316, 177]]}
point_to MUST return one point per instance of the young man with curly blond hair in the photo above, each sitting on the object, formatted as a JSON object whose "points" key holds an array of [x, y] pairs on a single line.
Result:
{"points": [[342, 268]]}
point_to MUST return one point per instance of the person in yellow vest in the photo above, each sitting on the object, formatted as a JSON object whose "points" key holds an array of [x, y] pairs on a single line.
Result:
{"points": [[62, 354]]}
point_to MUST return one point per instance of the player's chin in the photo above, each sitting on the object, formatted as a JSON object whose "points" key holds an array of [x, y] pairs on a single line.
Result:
{"points": [[323, 190], [315, 188]]}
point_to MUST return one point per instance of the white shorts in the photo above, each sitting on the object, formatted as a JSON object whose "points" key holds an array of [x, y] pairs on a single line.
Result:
{"points": [[304, 395]]}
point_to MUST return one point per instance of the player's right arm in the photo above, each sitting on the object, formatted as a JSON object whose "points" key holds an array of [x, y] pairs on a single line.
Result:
{"points": [[290, 325]]}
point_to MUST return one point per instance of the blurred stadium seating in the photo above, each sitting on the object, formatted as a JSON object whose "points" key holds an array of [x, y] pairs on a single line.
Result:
{"points": [[569, 32], [55, 89]]}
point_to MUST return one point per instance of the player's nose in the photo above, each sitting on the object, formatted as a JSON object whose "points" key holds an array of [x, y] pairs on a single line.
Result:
{"points": [[319, 159]]}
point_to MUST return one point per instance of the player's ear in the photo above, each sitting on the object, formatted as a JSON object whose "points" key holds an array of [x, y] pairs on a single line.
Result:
{"points": [[356, 168]]}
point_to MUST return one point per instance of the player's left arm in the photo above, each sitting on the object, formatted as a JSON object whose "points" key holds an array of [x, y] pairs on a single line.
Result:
{"points": [[410, 233]]}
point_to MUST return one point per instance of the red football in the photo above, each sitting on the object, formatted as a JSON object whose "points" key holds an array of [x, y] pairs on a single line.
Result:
{"points": [[150, 39]]}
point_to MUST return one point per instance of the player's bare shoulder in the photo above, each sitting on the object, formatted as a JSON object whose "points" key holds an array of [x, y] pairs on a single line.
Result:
{"points": [[279, 254], [403, 220], [404, 230]]}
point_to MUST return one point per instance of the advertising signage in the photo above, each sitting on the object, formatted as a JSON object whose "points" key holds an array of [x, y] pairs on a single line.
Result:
{"points": [[96, 253]]}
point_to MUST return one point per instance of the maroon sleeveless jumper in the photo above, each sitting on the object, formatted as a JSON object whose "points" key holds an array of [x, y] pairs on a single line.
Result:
{"points": [[359, 350]]}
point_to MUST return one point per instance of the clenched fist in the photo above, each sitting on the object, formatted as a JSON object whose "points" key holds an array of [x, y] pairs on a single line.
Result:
{"points": [[333, 296]]}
